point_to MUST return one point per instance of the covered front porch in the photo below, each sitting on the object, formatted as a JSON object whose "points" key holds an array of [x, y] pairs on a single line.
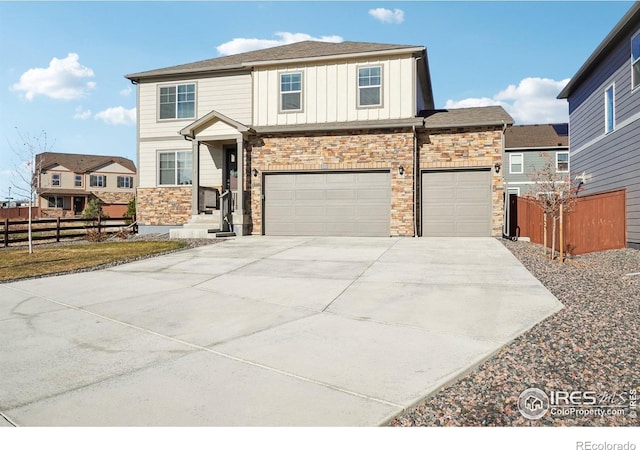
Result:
{"points": [[219, 196]]}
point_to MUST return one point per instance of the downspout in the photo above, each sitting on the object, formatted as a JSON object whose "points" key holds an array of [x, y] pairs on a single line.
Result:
{"points": [[415, 182]]}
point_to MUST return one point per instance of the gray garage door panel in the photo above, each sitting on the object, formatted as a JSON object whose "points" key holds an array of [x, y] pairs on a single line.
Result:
{"points": [[327, 204], [456, 203]]}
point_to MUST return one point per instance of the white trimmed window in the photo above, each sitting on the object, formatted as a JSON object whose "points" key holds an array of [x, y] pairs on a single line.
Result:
{"points": [[98, 181], [55, 179], [291, 91], [635, 61], [175, 168], [177, 101], [125, 182], [516, 163], [78, 181], [55, 202], [370, 86], [562, 161], [609, 109]]}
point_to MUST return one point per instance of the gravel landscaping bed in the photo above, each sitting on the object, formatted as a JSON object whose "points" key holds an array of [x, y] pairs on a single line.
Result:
{"points": [[593, 344]]}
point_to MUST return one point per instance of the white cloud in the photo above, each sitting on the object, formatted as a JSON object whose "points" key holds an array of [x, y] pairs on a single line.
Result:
{"points": [[532, 101], [82, 115], [241, 45], [64, 79], [387, 16], [118, 115], [126, 92]]}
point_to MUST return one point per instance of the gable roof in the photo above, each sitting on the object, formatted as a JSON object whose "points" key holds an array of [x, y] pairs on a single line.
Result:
{"points": [[537, 136], [461, 117], [630, 21], [80, 163], [282, 53]]}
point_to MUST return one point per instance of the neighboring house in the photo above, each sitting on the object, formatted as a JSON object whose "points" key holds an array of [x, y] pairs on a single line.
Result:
{"points": [[604, 118], [314, 138], [67, 182], [526, 149]]}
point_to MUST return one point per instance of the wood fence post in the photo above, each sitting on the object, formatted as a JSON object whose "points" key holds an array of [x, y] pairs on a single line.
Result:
{"points": [[561, 237], [58, 229], [6, 232], [99, 223]]}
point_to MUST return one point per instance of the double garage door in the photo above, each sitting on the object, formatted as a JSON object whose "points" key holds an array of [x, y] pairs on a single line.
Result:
{"points": [[327, 204], [456, 203]]}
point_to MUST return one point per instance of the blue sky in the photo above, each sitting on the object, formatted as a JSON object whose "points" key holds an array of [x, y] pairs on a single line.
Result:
{"points": [[63, 63]]}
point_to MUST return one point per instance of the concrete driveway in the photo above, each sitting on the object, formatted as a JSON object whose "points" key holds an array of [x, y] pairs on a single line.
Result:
{"points": [[261, 331]]}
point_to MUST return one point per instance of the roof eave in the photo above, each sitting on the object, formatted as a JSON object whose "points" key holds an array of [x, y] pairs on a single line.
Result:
{"points": [[622, 27]]}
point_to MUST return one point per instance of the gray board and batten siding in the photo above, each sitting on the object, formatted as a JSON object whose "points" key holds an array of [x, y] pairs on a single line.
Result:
{"points": [[610, 161]]}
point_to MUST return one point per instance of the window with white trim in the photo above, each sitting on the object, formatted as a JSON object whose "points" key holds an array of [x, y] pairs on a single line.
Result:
{"points": [[516, 163], [635, 61], [370, 86], [177, 101], [125, 182], [562, 161], [55, 179], [55, 202], [291, 91], [175, 168], [609, 109], [98, 181], [78, 181]]}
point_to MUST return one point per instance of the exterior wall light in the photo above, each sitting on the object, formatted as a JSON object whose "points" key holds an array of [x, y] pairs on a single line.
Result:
{"points": [[401, 170], [255, 172], [497, 166]]}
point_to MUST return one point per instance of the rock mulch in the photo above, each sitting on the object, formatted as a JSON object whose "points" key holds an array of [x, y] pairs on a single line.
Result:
{"points": [[593, 344]]}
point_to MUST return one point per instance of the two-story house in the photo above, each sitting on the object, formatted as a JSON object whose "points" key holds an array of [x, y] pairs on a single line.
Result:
{"points": [[526, 149], [66, 182], [314, 138], [604, 118]]}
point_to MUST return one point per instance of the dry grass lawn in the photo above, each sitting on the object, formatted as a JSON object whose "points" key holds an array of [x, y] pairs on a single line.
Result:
{"points": [[16, 264]]}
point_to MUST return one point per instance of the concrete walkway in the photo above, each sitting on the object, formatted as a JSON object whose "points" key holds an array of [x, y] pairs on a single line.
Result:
{"points": [[261, 331]]}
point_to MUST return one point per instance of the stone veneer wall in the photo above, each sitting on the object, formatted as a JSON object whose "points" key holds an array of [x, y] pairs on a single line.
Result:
{"points": [[163, 205], [350, 150], [466, 147]]}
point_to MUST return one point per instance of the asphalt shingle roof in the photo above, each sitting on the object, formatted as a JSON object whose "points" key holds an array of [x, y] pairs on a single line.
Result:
{"points": [[305, 49], [536, 136], [80, 163]]}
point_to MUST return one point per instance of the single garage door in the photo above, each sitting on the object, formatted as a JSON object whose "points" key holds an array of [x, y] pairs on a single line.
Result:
{"points": [[456, 203], [327, 204]]}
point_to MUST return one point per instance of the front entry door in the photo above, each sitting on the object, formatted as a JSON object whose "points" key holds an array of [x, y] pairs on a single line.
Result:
{"points": [[230, 168]]}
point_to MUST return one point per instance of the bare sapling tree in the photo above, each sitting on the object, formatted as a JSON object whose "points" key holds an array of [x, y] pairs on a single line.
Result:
{"points": [[556, 192], [26, 171]]}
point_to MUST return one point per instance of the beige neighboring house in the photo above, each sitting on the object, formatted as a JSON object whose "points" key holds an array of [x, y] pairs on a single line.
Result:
{"points": [[314, 139], [66, 182]]}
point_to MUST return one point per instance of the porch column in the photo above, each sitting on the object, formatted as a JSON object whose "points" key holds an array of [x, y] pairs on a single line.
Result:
{"points": [[238, 222], [195, 160]]}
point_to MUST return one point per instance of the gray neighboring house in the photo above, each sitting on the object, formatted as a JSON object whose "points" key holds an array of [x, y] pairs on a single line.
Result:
{"points": [[604, 113], [525, 147]]}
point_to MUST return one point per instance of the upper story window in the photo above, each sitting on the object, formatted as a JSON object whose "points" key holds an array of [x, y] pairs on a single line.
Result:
{"points": [[562, 162], [98, 181], [125, 182], [609, 109], [178, 101], [291, 91], [516, 163], [635, 61], [55, 179], [370, 86], [77, 181], [175, 168]]}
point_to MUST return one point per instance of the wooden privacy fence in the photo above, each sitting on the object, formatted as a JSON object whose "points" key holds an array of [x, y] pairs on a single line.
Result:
{"points": [[16, 231], [19, 212], [596, 223]]}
